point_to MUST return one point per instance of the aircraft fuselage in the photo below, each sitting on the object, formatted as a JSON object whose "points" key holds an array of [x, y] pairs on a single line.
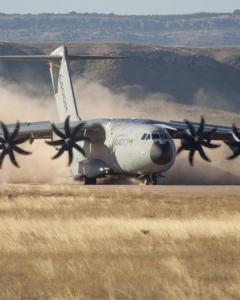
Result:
{"points": [[129, 147]]}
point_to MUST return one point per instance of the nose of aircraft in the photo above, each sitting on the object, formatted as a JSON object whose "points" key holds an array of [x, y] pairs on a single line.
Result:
{"points": [[161, 154]]}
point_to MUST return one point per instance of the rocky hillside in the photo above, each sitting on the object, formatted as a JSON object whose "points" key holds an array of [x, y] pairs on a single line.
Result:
{"points": [[195, 30], [205, 77]]}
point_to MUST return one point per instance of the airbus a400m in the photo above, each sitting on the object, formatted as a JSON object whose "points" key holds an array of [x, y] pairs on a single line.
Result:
{"points": [[108, 147]]}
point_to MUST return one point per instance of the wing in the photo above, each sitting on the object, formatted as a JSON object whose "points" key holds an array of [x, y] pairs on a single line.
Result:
{"points": [[219, 132], [44, 130], [67, 135], [195, 137], [34, 130]]}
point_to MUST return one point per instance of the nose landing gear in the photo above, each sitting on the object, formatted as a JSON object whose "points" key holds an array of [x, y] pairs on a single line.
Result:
{"points": [[151, 179]]}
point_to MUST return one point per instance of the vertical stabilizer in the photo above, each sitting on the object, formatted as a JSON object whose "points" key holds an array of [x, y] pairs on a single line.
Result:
{"points": [[62, 85]]}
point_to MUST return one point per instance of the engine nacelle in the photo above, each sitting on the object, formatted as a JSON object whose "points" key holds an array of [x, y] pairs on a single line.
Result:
{"points": [[93, 168]]}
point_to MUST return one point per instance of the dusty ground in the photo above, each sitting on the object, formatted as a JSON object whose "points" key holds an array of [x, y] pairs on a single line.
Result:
{"points": [[71, 242]]}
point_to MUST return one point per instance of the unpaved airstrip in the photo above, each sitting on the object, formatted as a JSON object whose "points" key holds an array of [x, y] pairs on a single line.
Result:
{"points": [[119, 242]]}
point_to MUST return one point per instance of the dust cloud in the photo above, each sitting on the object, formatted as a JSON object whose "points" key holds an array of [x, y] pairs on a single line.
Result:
{"points": [[97, 101], [16, 105]]}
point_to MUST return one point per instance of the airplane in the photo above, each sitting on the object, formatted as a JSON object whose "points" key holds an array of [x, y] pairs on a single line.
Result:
{"points": [[99, 148]]}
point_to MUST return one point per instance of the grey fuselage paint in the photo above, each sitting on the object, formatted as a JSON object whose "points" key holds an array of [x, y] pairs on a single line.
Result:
{"points": [[131, 147]]}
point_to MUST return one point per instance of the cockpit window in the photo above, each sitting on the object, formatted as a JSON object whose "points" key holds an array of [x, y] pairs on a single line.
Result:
{"points": [[156, 136], [144, 136]]}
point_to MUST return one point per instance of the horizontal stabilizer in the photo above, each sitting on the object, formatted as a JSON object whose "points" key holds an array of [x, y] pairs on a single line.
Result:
{"points": [[57, 58]]}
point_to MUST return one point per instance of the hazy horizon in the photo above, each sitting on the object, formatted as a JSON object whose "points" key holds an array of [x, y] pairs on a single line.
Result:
{"points": [[134, 7]]}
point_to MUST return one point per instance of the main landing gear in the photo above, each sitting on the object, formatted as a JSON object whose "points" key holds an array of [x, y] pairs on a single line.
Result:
{"points": [[89, 181], [150, 179]]}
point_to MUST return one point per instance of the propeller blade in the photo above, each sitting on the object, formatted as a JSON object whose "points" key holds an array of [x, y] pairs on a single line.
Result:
{"points": [[58, 132], [201, 127], [191, 157], [179, 133], [180, 149], [21, 151], [235, 148], [5, 132], [15, 132], [70, 156], [203, 154], [2, 156], [191, 128], [234, 155], [13, 159], [209, 145], [55, 143], [67, 127], [77, 147], [76, 130], [21, 140], [236, 132], [211, 132], [60, 152], [208, 135]]}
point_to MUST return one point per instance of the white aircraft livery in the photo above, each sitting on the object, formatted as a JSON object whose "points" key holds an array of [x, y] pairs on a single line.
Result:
{"points": [[107, 147]]}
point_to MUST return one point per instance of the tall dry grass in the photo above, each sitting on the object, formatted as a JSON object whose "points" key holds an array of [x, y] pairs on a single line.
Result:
{"points": [[71, 242]]}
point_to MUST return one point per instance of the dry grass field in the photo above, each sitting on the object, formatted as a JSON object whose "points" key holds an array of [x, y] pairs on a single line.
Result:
{"points": [[72, 242]]}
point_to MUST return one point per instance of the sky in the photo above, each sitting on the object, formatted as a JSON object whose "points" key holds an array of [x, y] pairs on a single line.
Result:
{"points": [[136, 7]]}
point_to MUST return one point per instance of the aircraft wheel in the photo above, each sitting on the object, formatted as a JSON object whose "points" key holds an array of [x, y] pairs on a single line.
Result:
{"points": [[147, 180], [155, 180], [89, 181], [151, 179]]}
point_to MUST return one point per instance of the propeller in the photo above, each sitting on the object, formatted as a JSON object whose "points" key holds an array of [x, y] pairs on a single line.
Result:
{"points": [[194, 140], [234, 144], [9, 143], [68, 140]]}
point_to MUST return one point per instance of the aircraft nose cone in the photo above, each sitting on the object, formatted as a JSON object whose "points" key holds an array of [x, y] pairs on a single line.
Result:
{"points": [[161, 154]]}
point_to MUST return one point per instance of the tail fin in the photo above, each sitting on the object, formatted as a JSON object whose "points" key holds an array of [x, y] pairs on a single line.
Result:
{"points": [[62, 85]]}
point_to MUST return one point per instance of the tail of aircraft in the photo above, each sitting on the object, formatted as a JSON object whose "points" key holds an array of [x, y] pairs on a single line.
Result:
{"points": [[61, 77], [62, 85]]}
